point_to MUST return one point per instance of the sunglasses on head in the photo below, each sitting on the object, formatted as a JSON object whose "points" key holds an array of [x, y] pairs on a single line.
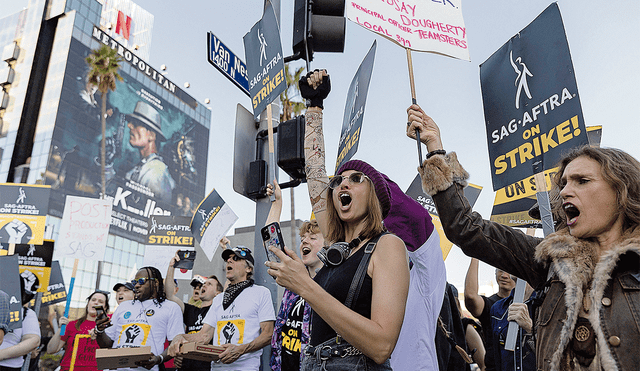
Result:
{"points": [[142, 280], [354, 178]]}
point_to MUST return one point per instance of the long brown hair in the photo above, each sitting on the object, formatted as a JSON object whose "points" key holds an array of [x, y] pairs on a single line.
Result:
{"points": [[372, 220], [620, 170], [86, 308]]}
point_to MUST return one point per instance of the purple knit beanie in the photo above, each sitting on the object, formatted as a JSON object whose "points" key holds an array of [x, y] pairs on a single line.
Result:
{"points": [[379, 183]]}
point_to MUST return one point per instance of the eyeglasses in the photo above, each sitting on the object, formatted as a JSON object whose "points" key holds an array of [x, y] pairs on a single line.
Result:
{"points": [[354, 178], [142, 280]]}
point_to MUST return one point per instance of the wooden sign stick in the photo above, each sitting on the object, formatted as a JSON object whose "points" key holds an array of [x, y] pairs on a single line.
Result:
{"points": [[69, 294], [272, 161], [414, 101]]}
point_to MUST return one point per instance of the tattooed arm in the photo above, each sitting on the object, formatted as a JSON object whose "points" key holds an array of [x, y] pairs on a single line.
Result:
{"points": [[314, 153]]}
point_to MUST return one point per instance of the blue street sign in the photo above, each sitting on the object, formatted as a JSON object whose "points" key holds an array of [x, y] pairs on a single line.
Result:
{"points": [[228, 63]]}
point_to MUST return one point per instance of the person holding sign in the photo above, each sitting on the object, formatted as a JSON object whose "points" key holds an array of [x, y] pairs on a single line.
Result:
{"points": [[349, 210], [148, 319], [292, 328], [80, 349], [22, 340], [588, 271]]}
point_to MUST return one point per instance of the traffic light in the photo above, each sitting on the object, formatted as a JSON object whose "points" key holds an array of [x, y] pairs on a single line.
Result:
{"points": [[320, 24], [291, 147]]}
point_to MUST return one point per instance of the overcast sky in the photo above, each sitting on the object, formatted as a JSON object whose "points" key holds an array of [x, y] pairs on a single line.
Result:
{"points": [[602, 36]]}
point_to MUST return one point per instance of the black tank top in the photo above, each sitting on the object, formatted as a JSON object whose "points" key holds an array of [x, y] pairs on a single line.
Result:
{"points": [[336, 281]]}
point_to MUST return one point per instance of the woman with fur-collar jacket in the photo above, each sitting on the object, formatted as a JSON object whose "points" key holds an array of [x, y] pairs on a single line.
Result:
{"points": [[589, 269]]}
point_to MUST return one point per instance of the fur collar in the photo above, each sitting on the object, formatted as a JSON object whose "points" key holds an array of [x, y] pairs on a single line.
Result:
{"points": [[575, 262]]}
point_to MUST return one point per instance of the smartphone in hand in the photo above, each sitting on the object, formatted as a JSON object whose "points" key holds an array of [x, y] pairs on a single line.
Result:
{"points": [[100, 311], [272, 236], [187, 258]]}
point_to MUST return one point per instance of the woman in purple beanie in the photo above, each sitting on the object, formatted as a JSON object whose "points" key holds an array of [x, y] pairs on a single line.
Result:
{"points": [[358, 297]]}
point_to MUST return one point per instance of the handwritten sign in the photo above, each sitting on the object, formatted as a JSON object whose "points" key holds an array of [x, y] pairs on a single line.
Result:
{"points": [[429, 26], [84, 228]]}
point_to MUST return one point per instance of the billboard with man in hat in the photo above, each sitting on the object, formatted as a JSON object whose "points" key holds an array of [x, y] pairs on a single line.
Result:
{"points": [[157, 138]]}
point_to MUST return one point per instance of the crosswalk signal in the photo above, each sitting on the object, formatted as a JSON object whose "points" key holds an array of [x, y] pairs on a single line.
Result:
{"points": [[318, 26]]}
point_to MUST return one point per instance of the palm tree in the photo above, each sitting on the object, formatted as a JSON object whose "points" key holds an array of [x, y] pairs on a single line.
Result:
{"points": [[292, 104], [291, 108], [104, 64]]}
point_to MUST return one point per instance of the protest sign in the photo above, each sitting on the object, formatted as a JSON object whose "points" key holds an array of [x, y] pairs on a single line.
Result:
{"points": [[415, 191], [263, 50], [10, 278], [170, 231], [427, 26], [211, 222], [55, 292], [23, 213], [531, 103], [159, 256], [354, 109], [37, 260], [84, 228], [168, 234], [512, 203]]}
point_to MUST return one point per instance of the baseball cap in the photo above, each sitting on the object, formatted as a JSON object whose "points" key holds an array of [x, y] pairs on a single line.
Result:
{"points": [[198, 280], [127, 285], [241, 252]]}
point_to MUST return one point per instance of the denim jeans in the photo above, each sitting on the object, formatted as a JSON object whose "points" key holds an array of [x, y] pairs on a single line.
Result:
{"points": [[312, 362]]}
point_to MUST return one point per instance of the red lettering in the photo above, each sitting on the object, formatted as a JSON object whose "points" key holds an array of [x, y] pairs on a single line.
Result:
{"points": [[123, 26]]}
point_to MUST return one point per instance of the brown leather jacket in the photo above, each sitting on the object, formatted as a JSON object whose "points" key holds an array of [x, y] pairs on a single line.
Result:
{"points": [[609, 287]]}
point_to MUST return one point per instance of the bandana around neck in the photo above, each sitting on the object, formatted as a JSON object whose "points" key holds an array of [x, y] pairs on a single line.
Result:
{"points": [[232, 292]]}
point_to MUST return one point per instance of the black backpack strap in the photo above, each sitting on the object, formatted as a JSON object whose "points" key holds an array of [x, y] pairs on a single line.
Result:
{"points": [[358, 277]]}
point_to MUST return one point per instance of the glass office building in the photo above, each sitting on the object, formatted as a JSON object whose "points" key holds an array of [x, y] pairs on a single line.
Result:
{"points": [[50, 125]]}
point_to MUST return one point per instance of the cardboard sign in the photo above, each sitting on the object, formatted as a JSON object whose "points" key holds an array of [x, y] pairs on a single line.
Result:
{"points": [[10, 278], [170, 231], [414, 191], [37, 259], [531, 104], [211, 222], [429, 26], [23, 213], [84, 228], [354, 109], [264, 61]]}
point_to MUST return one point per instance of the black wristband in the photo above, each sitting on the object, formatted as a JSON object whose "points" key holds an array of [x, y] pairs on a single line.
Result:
{"points": [[436, 152]]}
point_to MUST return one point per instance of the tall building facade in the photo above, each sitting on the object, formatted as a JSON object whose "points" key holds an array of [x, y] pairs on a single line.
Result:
{"points": [[50, 126]]}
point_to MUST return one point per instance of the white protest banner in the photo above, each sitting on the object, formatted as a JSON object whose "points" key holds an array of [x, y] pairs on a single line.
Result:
{"points": [[159, 256], [422, 25], [211, 222], [84, 228]]}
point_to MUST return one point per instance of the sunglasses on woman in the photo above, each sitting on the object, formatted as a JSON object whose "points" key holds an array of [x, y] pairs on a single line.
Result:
{"points": [[142, 280], [354, 178]]}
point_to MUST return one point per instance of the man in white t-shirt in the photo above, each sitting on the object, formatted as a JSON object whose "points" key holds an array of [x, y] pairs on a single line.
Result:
{"points": [[147, 320], [240, 320]]}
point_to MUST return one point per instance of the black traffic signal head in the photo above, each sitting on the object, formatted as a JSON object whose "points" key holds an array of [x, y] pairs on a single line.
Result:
{"points": [[320, 25]]}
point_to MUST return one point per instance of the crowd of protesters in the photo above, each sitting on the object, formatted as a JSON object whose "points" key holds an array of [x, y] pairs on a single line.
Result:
{"points": [[369, 289]]}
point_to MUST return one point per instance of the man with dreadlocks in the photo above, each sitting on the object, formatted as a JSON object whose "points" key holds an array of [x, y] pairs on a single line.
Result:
{"points": [[148, 319], [240, 320]]}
